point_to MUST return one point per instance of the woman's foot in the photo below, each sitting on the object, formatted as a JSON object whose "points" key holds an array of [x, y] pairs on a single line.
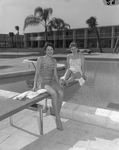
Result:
{"points": [[58, 121], [59, 125], [66, 83], [61, 81]]}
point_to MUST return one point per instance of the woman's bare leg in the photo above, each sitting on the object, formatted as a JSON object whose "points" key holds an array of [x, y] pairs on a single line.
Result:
{"points": [[54, 96], [60, 92], [71, 79], [66, 76]]}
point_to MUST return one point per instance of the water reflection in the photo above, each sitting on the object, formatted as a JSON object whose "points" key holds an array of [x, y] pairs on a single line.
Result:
{"points": [[30, 83]]}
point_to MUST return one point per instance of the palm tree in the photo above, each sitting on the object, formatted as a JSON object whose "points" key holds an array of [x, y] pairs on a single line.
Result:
{"points": [[57, 24], [17, 29], [11, 34], [92, 23], [116, 45], [41, 16], [17, 34]]}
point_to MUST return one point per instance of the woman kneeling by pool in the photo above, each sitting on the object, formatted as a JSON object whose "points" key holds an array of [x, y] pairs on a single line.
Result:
{"points": [[46, 78]]}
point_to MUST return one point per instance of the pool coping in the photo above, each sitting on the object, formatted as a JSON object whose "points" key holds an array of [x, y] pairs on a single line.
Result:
{"points": [[92, 115], [95, 56], [97, 116]]}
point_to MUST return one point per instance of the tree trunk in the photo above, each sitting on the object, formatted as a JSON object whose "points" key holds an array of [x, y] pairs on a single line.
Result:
{"points": [[116, 45], [12, 42], [98, 39], [57, 38], [46, 38]]}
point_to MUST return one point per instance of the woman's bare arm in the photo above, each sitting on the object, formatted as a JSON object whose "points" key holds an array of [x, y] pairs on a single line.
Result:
{"points": [[83, 65], [67, 62], [38, 65], [55, 71]]}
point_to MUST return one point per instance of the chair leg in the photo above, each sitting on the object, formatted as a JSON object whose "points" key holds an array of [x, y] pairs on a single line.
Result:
{"points": [[46, 103], [41, 118]]}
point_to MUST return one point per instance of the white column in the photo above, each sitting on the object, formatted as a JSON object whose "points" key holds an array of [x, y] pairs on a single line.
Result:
{"points": [[38, 40], [31, 40], [54, 37], [25, 40], [64, 41], [112, 37], [99, 35], [74, 35], [85, 38]]}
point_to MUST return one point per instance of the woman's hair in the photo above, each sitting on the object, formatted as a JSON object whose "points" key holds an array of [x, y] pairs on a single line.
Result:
{"points": [[72, 44], [48, 44]]}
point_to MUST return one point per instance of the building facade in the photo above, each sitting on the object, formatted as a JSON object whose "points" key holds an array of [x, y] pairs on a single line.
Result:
{"points": [[10, 42], [84, 37]]}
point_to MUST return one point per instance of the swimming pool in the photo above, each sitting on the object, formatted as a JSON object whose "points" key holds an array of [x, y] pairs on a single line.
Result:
{"points": [[100, 90], [21, 83]]}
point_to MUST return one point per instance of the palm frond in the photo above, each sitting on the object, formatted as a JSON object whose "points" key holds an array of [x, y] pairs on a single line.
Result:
{"points": [[92, 22], [47, 13], [57, 24], [38, 12], [51, 26], [66, 26], [17, 28], [31, 21]]}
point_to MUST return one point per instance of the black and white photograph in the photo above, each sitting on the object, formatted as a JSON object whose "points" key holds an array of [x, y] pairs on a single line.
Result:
{"points": [[59, 74]]}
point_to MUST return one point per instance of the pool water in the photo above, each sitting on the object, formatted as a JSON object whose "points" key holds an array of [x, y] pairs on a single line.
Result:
{"points": [[17, 84], [100, 90], [20, 84]]}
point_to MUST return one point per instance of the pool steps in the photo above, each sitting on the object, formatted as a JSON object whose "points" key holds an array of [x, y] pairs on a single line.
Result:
{"points": [[92, 115]]}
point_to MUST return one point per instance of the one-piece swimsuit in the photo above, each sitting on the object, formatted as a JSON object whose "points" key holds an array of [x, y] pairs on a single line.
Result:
{"points": [[75, 65], [46, 75]]}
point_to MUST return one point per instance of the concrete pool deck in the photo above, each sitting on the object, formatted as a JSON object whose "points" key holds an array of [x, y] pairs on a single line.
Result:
{"points": [[79, 133], [24, 135]]}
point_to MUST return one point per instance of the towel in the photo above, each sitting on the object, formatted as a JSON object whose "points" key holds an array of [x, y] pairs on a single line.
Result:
{"points": [[81, 81], [29, 94]]}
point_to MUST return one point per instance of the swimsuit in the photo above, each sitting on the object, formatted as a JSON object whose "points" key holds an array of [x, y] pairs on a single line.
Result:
{"points": [[46, 75], [75, 65]]}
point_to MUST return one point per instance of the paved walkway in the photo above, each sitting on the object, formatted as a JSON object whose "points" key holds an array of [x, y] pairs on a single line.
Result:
{"points": [[77, 135]]}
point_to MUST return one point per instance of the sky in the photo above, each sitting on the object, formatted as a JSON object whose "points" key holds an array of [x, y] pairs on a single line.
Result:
{"points": [[73, 12]]}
